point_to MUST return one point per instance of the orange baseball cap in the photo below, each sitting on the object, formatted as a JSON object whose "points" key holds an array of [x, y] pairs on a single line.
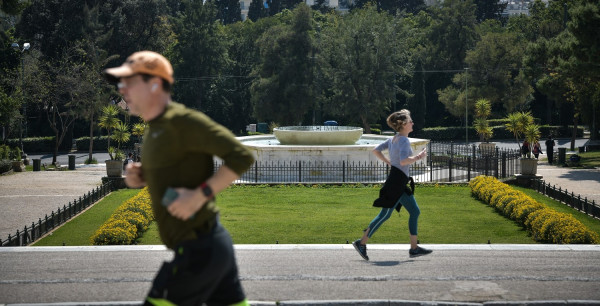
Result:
{"points": [[147, 62]]}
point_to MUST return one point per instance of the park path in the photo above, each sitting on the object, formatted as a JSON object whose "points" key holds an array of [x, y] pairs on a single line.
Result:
{"points": [[26, 197]]}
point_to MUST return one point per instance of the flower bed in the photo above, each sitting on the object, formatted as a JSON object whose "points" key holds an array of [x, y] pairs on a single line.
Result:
{"points": [[544, 224], [127, 222]]}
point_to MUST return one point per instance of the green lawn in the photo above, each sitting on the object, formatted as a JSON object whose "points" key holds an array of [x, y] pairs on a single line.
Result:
{"points": [[339, 214], [334, 215], [590, 159], [79, 229]]}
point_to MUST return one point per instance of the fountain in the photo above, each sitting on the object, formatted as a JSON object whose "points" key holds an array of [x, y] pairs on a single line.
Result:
{"points": [[318, 146], [317, 135]]}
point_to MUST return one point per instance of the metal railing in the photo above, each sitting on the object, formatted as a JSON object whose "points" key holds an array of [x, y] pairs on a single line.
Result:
{"points": [[446, 162], [31, 233], [570, 199]]}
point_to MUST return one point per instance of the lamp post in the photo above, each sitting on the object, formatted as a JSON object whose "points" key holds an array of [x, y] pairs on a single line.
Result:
{"points": [[466, 106], [26, 47]]}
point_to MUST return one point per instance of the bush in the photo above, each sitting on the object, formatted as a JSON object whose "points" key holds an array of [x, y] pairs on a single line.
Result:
{"points": [[127, 222], [457, 133], [5, 165], [38, 144], [115, 231], [4, 152], [544, 224]]}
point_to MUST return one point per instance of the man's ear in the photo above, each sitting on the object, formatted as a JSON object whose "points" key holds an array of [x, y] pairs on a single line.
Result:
{"points": [[154, 87]]}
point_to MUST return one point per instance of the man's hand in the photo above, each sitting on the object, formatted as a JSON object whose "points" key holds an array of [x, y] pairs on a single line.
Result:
{"points": [[187, 203], [134, 177]]}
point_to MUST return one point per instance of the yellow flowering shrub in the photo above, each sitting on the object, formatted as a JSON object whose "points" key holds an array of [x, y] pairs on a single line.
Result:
{"points": [[115, 232], [127, 222], [544, 224]]}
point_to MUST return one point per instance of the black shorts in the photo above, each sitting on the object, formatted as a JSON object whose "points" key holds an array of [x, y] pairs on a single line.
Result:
{"points": [[203, 271]]}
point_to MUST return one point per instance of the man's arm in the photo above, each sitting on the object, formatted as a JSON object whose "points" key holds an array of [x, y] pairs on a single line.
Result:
{"points": [[191, 201]]}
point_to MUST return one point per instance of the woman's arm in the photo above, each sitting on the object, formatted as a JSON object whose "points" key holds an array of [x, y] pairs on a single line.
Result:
{"points": [[382, 157], [413, 159]]}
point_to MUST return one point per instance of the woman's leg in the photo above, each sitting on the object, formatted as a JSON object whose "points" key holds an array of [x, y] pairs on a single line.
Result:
{"points": [[384, 214], [410, 204]]}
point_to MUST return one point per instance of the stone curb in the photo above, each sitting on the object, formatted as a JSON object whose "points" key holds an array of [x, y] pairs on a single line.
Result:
{"points": [[351, 303]]}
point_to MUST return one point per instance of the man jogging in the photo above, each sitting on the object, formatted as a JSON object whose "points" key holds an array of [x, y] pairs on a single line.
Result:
{"points": [[177, 166]]}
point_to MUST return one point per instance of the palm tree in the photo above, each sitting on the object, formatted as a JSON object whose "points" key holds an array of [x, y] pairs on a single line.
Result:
{"points": [[121, 134], [518, 123], [138, 130], [483, 109], [109, 119]]}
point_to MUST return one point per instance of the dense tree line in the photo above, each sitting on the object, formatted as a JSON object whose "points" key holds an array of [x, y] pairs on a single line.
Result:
{"points": [[291, 64]]}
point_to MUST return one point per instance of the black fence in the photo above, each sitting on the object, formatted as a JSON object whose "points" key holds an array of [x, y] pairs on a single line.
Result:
{"points": [[563, 196], [62, 215], [446, 162]]}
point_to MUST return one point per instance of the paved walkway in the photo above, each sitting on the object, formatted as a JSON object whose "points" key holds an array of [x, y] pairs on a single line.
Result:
{"points": [[280, 274], [25, 197]]}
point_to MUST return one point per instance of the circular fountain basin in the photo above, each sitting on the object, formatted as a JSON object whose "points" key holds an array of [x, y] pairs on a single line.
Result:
{"points": [[267, 148], [317, 135]]}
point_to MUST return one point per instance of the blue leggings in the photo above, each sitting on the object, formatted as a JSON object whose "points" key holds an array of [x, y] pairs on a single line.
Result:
{"points": [[408, 201]]}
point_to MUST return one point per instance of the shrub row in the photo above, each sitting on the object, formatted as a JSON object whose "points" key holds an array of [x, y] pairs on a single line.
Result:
{"points": [[544, 224], [46, 144], [500, 132], [127, 222]]}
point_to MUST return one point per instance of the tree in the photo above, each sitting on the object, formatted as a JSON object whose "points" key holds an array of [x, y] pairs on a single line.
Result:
{"points": [[585, 25], [517, 124], [281, 91], [67, 96], [569, 75], [9, 112], [199, 56], [274, 7], [494, 72], [483, 109], [109, 120], [228, 11], [121, 134], [450, 31], [394, 6], [136, 25], [490, 9], [12, 7], [363, 60], [257, 10], [321, 6], [451, 34], [97, 58], [417, 103]]}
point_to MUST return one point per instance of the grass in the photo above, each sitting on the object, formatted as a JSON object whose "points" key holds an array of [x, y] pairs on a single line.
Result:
{"points": [[335, 215], [339, 214], [79, 229], [295, 214], [589, 160]]}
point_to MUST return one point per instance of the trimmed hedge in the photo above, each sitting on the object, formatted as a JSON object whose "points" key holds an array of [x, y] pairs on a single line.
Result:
{"points": [[544, 224], [101, 143], [500, 132], [127, 222]]}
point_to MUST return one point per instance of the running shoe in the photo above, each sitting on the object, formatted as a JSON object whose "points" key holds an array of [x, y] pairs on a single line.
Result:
{"points": [[361, 249], [419, 251]]}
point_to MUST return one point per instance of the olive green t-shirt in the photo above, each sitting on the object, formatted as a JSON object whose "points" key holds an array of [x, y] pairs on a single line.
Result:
{"points": [[178, 151]]}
